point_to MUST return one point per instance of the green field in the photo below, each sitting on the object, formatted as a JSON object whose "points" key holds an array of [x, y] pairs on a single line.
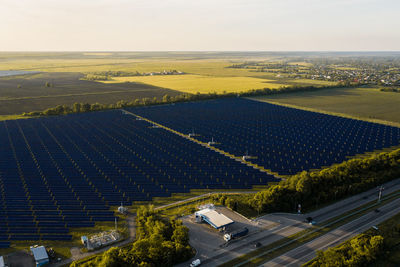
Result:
{"points": [[362, 102]]}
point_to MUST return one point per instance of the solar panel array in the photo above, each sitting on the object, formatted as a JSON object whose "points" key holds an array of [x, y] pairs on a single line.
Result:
{"points": [[57, 173], [284, 140]]}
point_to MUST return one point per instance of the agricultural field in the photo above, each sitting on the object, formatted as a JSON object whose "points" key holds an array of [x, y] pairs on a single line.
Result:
{"points": [[280, 139], [58, 78], [63, 173], [30, 92], [200, 83], [363, 102]]}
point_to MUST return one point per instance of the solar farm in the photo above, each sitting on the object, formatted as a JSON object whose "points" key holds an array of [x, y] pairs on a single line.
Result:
{"points": [[62, 172], [58, 173], [281, 139]]}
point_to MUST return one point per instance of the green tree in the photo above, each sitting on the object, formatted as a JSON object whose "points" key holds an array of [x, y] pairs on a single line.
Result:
{"points": [[181, 235], [166, 98], [76, 108], [85, 107], [114, 257]]}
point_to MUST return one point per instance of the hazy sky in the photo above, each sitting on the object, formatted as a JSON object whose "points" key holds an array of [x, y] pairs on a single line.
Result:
{"points": [[133, 25]]}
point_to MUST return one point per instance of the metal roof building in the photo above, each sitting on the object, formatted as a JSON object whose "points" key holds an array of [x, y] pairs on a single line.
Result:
{"points": [[40, 255], [214, 218]]}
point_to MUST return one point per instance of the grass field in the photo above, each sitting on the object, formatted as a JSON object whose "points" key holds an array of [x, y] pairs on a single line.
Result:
{"points": [[362, 102], [200, 83]]}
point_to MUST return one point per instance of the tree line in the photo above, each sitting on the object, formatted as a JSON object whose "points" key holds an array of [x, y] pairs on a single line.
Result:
{"points": [[375, 247], [390, 89], [159, 242], [361, 250], [167, 99], [314, 188]]}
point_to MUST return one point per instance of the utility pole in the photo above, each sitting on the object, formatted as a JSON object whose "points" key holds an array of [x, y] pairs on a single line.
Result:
{"points": [[381, 188]]}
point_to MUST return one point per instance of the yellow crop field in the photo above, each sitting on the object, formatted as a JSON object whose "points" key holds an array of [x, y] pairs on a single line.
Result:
{"points": [[313, 82], [200, 83]]}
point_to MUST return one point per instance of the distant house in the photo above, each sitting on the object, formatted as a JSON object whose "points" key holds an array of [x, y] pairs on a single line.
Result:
{"points": [[40, 255]]}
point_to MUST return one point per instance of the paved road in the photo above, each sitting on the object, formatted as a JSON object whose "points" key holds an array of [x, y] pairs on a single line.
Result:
{"points": [[306, 252], [286, 225], [285, 228], [353, 202], [193, 199]]}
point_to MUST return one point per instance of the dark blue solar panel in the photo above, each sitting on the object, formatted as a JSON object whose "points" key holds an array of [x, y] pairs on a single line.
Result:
{"points": [[24, 237], [282, 139], [68, 171], [57, 237], [4, 244]]}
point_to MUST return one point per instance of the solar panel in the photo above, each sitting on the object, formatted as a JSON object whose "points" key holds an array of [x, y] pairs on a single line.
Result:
{"points": [[68, 171]]}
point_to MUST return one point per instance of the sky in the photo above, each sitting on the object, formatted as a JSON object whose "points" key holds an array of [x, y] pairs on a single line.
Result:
{"points": [[201, 25]]}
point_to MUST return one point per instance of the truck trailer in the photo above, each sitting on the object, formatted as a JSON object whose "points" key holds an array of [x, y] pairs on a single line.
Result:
{"points": [[236, 234]]}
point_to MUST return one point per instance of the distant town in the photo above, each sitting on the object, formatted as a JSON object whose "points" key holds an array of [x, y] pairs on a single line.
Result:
{"points": [[360, 70]]}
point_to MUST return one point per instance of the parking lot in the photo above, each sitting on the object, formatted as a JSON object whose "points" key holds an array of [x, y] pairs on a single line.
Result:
{"points": [[20, 259], [213, 250]]}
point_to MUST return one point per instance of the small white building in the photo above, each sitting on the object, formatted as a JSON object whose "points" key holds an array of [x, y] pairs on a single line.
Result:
{"points": [[40, 255], [212, 217]]}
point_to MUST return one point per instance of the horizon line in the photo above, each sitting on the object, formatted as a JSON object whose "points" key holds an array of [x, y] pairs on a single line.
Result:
{"points": [[197, 51]]}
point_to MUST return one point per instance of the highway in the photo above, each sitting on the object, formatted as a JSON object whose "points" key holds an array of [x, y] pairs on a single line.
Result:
{"points": [[353, 202], [306, 252], [288, 224]]}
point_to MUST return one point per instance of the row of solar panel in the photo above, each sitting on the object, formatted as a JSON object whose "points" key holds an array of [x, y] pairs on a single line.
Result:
{"points": [[274, 133], [33, 230], [58, 166], [16, 237]]}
